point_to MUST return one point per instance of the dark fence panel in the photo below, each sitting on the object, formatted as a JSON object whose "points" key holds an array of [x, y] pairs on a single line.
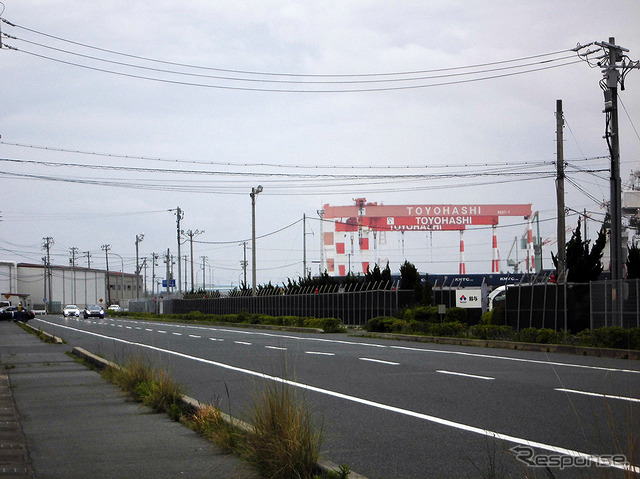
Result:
{"points": [[548, 305], [353, 308], [602, 306]]}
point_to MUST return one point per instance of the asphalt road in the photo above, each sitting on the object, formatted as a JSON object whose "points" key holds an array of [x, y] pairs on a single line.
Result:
{"points": [[392, 409]]}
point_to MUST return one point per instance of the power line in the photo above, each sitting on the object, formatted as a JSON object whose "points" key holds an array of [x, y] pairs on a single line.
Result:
{"points": [[278, 74]]}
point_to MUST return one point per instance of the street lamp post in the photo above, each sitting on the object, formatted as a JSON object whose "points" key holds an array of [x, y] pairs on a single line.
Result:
{"points": [[254, 193], [121, 278], [139, 238]]}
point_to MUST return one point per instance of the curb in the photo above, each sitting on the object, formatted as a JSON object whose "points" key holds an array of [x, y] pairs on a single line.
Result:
{"points": [[55, 339], [323, 467], [489, 343]]}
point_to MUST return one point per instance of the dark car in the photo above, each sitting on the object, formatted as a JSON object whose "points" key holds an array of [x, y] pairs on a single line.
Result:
{"points": [[93, 310], [10, 313]]}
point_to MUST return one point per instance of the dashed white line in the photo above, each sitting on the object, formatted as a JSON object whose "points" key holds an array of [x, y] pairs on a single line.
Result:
{"points": [[320, 353], [243, 342], [216, 339], [194, 336], [148, 329], [177, 334], [474, 376], [606, 396], [276, 347], [379, 361], [162, 332]]}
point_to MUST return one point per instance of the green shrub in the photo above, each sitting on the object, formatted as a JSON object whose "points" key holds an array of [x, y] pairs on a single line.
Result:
{"points": [[485, 319], [194, 315], [528, 335], [328, 325], [456, 315], [422, 313], [492, 331], [451, 329], [375, 325], [611, 337]]}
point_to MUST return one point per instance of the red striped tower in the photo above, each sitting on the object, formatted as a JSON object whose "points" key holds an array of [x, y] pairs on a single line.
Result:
{"points": [[495, 262], [462, 268], [363, 240], [531, 255]]}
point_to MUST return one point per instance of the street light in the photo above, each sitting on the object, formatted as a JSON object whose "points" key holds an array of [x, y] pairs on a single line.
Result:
{"points": [[121, 279], [254, 193], [139, 238]]}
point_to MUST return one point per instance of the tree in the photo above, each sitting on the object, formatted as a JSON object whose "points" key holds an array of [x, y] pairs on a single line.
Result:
{"points": [[633, 262], [583, 265], [410, 279]]}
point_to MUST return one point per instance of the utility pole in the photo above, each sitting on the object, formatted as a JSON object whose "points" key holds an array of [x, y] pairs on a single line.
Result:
{"points": [[139, 238], [185, 258], [88, 253], [304, 245], [106, 248], [168, 275], [615, 65], [154, 258], [204, 262], [561, 228], [191, 234], [179, 216], [244, 261], [253, 194], [48, 243], [74, 251]]}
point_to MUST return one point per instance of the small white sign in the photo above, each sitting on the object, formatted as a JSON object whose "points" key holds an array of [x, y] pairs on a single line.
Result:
{"points": [[469, 298]]}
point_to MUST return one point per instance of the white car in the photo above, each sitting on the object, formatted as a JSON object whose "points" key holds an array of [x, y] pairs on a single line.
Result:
{"points": [[71, 310], [114, 307]]}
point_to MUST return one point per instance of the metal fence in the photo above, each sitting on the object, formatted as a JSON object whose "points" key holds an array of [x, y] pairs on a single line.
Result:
{"points": [[354, 308], [573, 306], [602, 308], [548, 305]]}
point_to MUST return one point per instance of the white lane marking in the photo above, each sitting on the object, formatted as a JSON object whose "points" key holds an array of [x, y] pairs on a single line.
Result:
{"points": [[177, 334], [119, 325], [137, 327], [606, 396], [426, 417], [475, 376], [148, 329], [194, 336], [128, 327], [408, 348], [216, 339], [243, 342], [275, 347], [162, 332], [320, 353], [379, 361]]}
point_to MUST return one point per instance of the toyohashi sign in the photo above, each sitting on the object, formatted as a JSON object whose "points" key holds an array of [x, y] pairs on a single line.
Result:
{"points": [[421, 217]]}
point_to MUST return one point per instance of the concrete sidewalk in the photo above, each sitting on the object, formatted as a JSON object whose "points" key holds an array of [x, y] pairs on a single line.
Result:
{"points": [[72, 423]]}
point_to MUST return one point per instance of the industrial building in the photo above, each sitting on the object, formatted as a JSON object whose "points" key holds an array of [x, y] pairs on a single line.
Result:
{"points": [[50, 288]]}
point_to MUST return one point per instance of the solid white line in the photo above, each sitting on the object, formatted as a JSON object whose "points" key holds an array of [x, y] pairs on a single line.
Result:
{"points": [[319, 353], [426, 417], [475, 376], [194, 336], [275, 347], [242, 342], [379, 361], [606, 396]]}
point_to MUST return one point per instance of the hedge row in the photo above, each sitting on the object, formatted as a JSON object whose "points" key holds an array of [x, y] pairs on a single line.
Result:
{"points": [[607, 337]]}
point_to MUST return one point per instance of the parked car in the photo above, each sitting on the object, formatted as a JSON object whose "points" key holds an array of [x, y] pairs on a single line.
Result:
{"points": [[114, 307], [71, 310], [93, 310], [10, 313]]}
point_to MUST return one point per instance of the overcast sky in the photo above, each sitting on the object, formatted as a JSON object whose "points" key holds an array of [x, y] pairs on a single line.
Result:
{"points": [[290, 89]]}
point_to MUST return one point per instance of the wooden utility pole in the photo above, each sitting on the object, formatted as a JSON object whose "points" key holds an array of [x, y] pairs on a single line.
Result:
{"points": [[561, 227]]}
